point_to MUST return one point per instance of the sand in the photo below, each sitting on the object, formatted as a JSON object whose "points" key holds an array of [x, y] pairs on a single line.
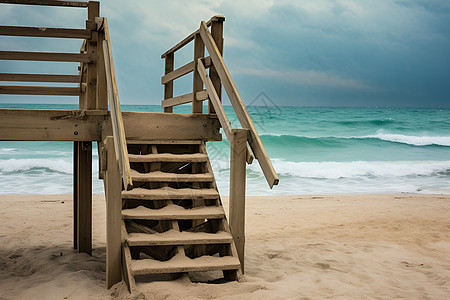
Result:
{"points": [[297, 247]]}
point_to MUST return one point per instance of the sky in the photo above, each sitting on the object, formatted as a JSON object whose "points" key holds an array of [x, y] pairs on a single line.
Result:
{"points": [[303, 53]]}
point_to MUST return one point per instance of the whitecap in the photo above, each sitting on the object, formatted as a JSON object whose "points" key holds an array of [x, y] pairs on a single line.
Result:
{"points": [[333, 170]]}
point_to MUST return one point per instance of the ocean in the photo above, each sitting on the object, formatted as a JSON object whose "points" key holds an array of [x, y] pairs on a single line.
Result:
{"points": [[315, 150]]}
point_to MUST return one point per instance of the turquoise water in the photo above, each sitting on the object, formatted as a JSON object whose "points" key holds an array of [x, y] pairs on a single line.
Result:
{"points": [[315, 150]]}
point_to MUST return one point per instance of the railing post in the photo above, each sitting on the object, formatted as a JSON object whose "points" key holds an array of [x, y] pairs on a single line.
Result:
{"points": [[91, 49], [217, 34], [113, 189], [199, 52], [168, 87], [84, 197], [102, 92], [238, 154]]}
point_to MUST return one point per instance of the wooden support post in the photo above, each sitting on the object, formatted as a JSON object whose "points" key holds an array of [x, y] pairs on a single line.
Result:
{"points": [[168, 87], [84, 198], [102, 90], [238, 154], [75, 194], [113, 189], [199, 52], [217, 34], [91, 48]]}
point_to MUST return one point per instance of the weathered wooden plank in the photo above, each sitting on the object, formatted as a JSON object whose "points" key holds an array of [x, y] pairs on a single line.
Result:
{"points": [[218, 108], [174, 212], [159, 176], [161, 126], [168, 87], [165, 142], [39, 90], [49, 125], [75, 194], [126, 267], [79, 4], [197, 83], [113, 190], [181, 263], [239, 107], [173, 237], [39, 77], [116, 113], [78, 125], [183, 70], [45, 56], [102, 88], [237, 189], [183, 99], [45, 32], [168, 193], [217, 34], [91, 48], [84, 206], [167, 157], [215, 100]]}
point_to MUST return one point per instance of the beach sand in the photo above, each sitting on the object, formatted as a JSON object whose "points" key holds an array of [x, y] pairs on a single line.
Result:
{"points": [[297, 247]]}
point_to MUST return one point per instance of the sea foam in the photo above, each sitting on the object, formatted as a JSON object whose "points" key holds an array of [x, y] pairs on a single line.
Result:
{"points": [[333, 170], [412, 140], [21, 165]]}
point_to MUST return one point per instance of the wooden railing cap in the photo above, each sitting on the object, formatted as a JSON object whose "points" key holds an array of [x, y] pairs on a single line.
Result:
{"points": [[219, 18]]}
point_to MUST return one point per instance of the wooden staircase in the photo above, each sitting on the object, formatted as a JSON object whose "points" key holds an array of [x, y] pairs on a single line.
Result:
{"points": [[173, 221], [164, 214]]}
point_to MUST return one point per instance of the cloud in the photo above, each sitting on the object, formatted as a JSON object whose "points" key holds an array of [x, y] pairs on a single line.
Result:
{"points": [[350, 47], [306, 77]]}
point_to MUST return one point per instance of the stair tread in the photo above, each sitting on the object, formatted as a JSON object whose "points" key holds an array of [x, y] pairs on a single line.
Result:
{"points": [[170, 193], [174, 212], [175, 237], [170, 177], [180, 263], [168, 157]]}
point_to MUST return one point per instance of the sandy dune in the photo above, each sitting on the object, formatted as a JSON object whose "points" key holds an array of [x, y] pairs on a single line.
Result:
{"points": [[298, 247]]}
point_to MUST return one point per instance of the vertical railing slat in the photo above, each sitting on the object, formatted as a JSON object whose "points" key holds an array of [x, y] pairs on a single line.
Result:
{"points": [[168, 87], [199, 52]]}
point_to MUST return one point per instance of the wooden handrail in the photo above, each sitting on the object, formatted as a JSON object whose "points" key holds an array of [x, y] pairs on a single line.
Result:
{"points": [[224, 122], [218, 107], [190, 37], [120, 143], [239, 107], [47, 3]]}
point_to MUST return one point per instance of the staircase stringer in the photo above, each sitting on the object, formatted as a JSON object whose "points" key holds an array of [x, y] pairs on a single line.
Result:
{"points": [[229, 275]]}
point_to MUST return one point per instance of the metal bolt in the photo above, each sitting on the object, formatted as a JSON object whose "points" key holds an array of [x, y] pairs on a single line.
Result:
{"points": [[204, 125], [76, 133], [76, 124]]}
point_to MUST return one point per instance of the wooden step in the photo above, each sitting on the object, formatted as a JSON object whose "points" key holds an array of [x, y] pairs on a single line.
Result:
{"points": [[168, 193], [165, 142], [168, 157], [159, 176], [174, 237], [180, 263], [174, 212]]}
